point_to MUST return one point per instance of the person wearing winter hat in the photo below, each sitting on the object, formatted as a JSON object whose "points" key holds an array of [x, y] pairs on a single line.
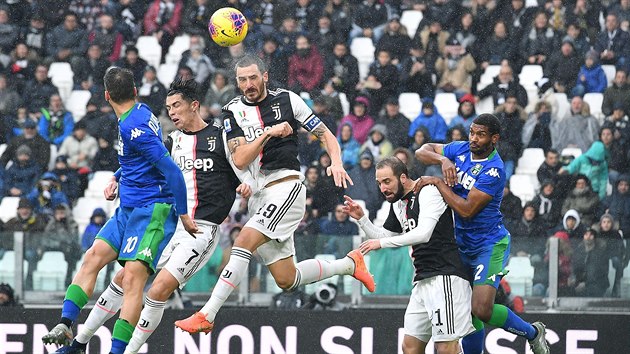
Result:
{"points": [[22, 175], [590, 266], [465, 113], [615, 248], [430, 118], [591, 78], [361, 121], [378, 144]]}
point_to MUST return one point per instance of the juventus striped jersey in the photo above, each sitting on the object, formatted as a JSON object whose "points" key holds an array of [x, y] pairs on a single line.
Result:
{"points": [[440, 255], [249, 120], [210, 179]]}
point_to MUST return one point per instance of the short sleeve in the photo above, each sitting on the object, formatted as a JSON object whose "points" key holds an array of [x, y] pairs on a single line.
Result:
{"points": [[230, 126], [303, 113], [451, 150], [149, 144], [168, 144], [391, 223], [491, 181]]}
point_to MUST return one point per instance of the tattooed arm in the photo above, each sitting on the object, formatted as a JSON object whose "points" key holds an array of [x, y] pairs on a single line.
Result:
{"points": [[243, 153], [334, 151]]}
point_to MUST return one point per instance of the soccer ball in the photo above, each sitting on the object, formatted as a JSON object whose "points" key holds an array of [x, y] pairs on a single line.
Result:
{"points": [[227, 26]]}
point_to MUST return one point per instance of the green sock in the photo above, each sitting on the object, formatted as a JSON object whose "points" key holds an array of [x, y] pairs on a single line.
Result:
{"points": [[75, 300], [477, 323], [499, 316], [123, 330]]}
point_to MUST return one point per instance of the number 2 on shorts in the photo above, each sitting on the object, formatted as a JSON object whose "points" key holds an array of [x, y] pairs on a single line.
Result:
{"points": [[478, 272]]}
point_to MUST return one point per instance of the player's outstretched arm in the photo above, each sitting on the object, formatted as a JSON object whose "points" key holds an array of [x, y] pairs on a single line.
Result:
{"points": [[466, 208], [433, 154], [334, 151]]}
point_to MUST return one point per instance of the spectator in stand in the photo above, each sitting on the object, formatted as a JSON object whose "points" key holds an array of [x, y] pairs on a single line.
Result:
{"points": [[55, 123], [364, 187], [9, 33], [22, 66], [350, 148], [518, 19], [62, 234], [152, 92], [572, 224], [617, 154], [395, 40], [619, 123], [339, 227], [622, 9], [579, 130], [547, 205], [511, 205], [34, 35], [306, 13], [510, 147], [162, 20], [340, 14], [22, 175], [359, 119], [591, 78], [89, 71], [618, 92], [342, 69], [47, 195], [134, 63], [563, 67], [323, 37], [369, 20], [107, 37], [527, 233], [586, 14], [557, 13], [39, 146], [52, 15], [377, 143], [100, 119], [106, 158], [565, 269], [456, 133], [539, 42], [431, 119], [463, 32], [613, 44], [220, 92], [593, 164], [433, 40], [97, 220], [66, 42], [276, 61], [536, 132], [590, 266], [10, 100], [396, 124], [325, 195], [465, 113], [69, 179], [306, 67], [549, 170], [498, 47], [199, 63], [196, 17], [618, 204], [414, 74], [381, 82], [414, 166], [503, 85], [455, 68], [583, 200], [615, 248], [329, 116], [79, 147], [287, 35], [37, 92]]}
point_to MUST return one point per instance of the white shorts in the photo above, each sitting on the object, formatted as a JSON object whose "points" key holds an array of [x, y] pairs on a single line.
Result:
{"points": [[185, 255], [439, 307], [278, 212]]}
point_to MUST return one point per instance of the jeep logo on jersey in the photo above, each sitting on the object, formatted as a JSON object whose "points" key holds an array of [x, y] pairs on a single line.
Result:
{"points": [[251, 133], [198, 164]]}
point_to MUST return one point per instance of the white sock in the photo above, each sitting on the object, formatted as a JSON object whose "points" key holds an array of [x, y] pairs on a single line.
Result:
{"points": [[105, 308], [231, 276], [312, 270], [150, 318]]}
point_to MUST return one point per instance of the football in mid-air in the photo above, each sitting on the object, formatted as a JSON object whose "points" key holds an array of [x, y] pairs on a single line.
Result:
{"points": [[227, 26]]}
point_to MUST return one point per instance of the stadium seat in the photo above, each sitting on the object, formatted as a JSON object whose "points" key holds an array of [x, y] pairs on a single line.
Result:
{"points": [[166, 73], [529, 75], [8, 208], [485, 106], [610, 71], [7, 268], [345, 104], [595, 101], [564, 107], [411, 19], [575, 152], [522, 187], [530, 161], [447, 105], [53, 157], [77, 104], [410, 104], [97, 183], [520, 276], [150, 50], [61, 75], [488, 76], [3, 147], [180, 45], [362, 48], [86, 205], [50, 274]]}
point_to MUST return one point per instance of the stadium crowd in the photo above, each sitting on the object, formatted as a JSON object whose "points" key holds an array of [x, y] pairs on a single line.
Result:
{"points": [[308, 47]]}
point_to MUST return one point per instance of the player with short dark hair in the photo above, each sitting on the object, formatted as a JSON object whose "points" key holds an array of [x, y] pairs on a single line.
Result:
{"points": [[475, 172], [152, 195], [440, 302], [261, 127]]}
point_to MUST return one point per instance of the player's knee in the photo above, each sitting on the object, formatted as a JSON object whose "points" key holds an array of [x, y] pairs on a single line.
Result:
{"points": [[482, 311], [285, 283], [160, 290], [410, 346], [118, 278], [447, 347], [92, 262]]}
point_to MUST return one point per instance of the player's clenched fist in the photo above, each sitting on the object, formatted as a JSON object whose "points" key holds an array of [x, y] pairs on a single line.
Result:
{"points": [[281, 130]]}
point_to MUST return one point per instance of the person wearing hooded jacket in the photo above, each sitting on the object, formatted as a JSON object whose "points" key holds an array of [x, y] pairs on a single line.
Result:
{"points": [[378, 144], [572, 225], [97, 220], [349, 146], [47, 194], [591, 78], [430, 118], [360, 120], [594, 165], [618, 204]]}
